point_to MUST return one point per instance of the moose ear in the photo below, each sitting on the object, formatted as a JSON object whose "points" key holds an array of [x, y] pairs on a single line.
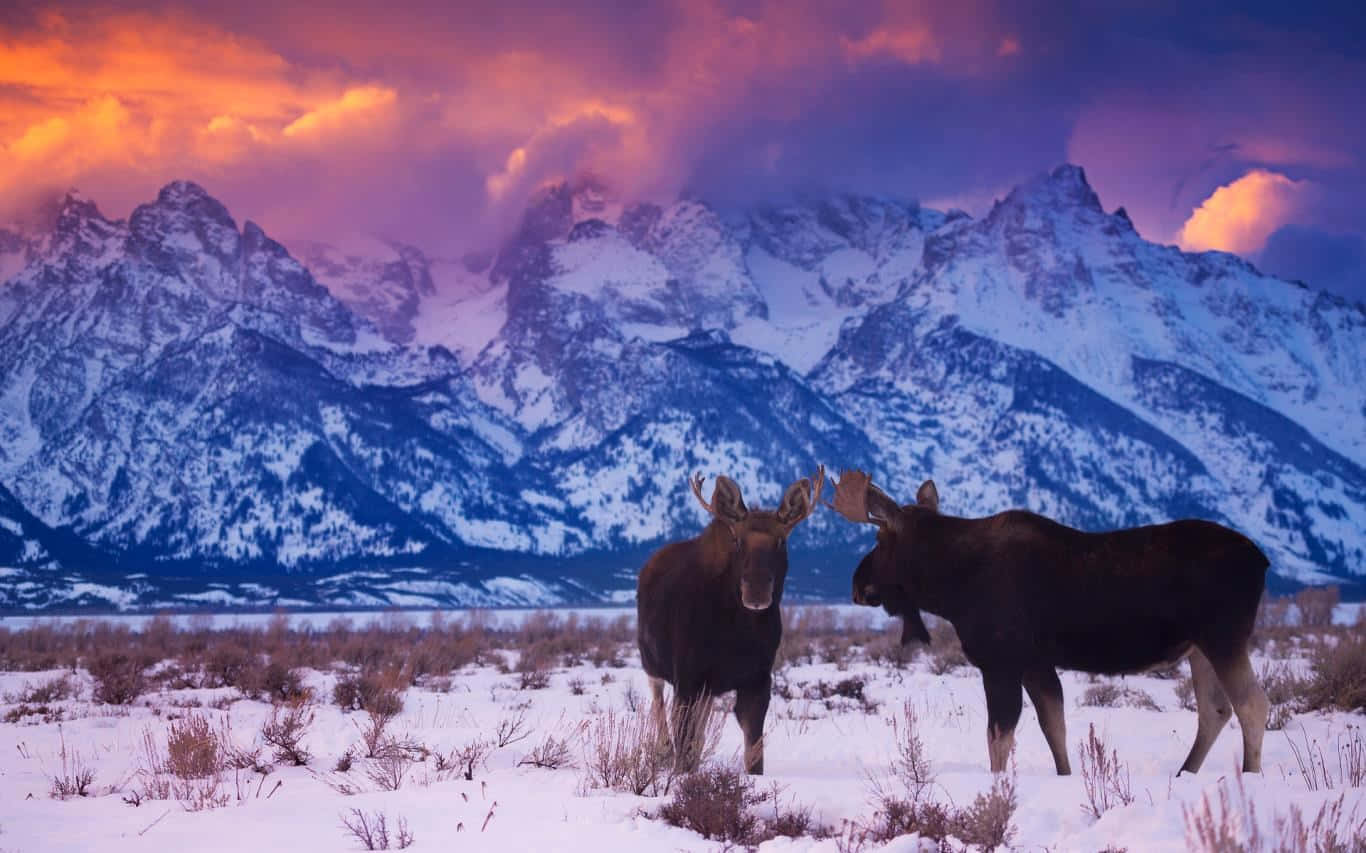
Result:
{"points": [[796, 504], [725, 498], [928, 496]]}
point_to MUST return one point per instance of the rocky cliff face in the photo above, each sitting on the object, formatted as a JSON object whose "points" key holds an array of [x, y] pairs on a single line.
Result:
{"points": [[190, 413]]}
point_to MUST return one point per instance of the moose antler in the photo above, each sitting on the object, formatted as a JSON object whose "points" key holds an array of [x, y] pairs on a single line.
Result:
{"points": [[854, 492], [696, 482], [851, 496], [816, 489]]}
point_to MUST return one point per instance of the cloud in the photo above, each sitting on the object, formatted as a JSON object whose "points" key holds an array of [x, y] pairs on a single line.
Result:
{"points": [[1332, 261], [443, 118], [911, 45], [1240, 216], [358, 105]]}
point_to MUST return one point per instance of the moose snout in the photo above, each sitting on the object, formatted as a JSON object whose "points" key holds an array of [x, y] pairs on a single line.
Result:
{"points": [[756, 596], [867, 594]]}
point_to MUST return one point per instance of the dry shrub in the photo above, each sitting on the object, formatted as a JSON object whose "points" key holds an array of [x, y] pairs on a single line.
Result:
{"points": [[552, 753], [716, 803], [512, 728], [285, 731], [462, 760], [1273, 612], [278, 683], [372, 831], [192, 750], [851, 690], [189, 769], [1282, 685], [912, 765], [1104, 777], [802, 628], [344, 762], [1315, 605], [533, 679], [374, 732], [986, 824], [1231, 826], [369, 691], [1284, 690], [946, 651], [57, 689], [389, 770], [903, 805], [626, 751], [535, 662], [545, 637], [1108, 694], [1185, 693], [1337, 676], [119, 678], [229, 664], [34, 714], [235, 757], [885, 648]]}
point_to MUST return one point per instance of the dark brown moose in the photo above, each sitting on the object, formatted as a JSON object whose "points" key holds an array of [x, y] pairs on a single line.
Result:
{"points": [[1028, 596], [708, 617]]}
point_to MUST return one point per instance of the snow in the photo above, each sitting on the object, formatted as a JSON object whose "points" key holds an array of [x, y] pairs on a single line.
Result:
{"points": [[820, 756], [461, 321]]}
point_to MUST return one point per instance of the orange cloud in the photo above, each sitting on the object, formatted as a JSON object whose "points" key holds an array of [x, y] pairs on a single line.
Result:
{"points": [[1240, 216], [355, 105], [129, 100]]}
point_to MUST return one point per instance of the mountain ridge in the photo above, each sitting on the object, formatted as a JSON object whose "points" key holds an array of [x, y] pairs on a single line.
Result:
{"points": [[209, 417]]}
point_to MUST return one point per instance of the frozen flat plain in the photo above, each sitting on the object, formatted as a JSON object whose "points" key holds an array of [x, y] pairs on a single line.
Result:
{"points": [[821, 753]]}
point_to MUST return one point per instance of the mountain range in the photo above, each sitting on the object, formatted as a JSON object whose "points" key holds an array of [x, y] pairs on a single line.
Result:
{"points": [[192, 414]]}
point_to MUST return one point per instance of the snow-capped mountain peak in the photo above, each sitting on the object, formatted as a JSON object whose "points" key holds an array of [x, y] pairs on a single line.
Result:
{"points": [[359, 422]]}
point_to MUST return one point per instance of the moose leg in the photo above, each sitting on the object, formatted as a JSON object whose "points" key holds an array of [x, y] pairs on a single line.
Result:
{"points": [[658, 713], [751, 707], [1212, 710], [1004, 704], [1045, 691], [1249, 703]]}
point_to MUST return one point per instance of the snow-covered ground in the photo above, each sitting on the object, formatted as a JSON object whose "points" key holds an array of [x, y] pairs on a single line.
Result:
{"points": [[820, 754]]}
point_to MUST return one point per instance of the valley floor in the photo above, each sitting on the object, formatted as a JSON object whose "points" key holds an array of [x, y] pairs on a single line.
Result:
{"points": [[828, 744]]}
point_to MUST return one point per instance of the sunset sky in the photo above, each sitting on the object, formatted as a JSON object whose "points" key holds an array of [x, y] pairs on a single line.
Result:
{"points": [[431, 122]]}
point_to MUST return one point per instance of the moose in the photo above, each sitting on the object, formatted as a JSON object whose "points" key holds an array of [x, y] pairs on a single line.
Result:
{"points": [[708, 618], [1028, 595]]}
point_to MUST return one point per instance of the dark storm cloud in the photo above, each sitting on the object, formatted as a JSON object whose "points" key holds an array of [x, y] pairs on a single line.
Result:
{"points": [[1334, 262]]}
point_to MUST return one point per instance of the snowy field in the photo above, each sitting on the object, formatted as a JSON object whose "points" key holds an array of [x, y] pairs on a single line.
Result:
{"points": [[830, 741]]}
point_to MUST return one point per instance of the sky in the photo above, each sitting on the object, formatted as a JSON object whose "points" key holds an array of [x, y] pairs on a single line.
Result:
{"points": [[1238, 127]]}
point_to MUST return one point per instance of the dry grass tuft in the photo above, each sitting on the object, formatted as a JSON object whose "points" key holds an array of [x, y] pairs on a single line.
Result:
{"points": [[1104, 777], [372, 831], [1231, 826], [73, 777]]}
